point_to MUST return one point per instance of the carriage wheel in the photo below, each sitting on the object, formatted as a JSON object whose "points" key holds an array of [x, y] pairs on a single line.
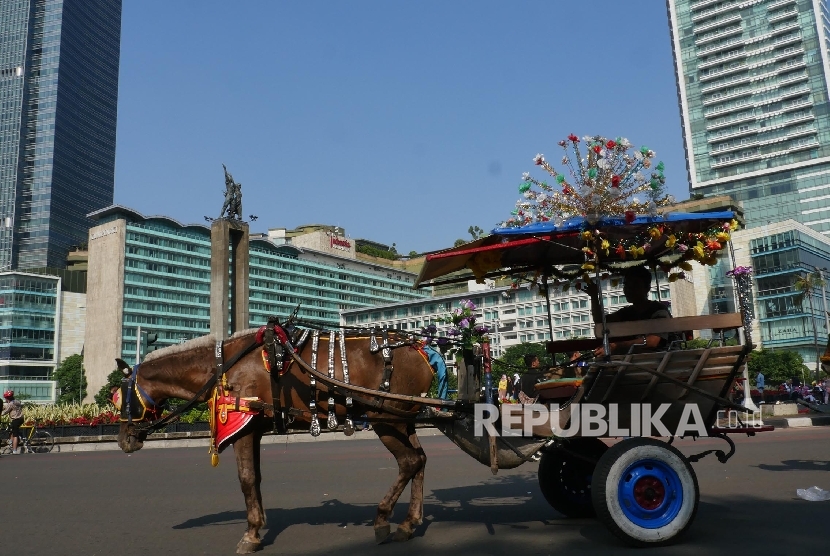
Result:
{"points": [[645, 492], [565, 479]]}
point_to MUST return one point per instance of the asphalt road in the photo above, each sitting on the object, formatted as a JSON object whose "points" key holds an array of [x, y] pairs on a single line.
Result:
{"points": [[321, 496]]}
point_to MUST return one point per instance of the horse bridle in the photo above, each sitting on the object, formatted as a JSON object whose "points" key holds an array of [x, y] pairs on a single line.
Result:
{"points": [[143, 398]]}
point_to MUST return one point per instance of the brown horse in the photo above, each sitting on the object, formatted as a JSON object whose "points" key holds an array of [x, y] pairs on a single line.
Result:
{"points": [[181, 371]]}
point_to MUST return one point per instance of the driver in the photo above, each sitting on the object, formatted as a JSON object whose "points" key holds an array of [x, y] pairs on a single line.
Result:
{"points": [[636, 287]]}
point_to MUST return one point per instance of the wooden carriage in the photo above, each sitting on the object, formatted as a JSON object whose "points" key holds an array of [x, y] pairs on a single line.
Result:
{"points": [[641, 487]]}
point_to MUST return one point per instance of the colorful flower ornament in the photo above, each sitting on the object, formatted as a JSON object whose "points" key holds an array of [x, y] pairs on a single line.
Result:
{"points": [[603, 182]]}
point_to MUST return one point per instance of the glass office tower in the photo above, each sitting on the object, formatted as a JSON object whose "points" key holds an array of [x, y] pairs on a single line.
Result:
{"points": [[58, 104], [753, 90]]}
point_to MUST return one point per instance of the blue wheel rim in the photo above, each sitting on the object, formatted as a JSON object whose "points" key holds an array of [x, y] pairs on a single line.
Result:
{"points": [[650, 493]]}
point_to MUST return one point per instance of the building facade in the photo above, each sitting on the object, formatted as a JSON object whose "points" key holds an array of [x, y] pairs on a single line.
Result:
{"points": [[752, 82], [58, 104], [784, 317], [29, 331], [519, 315], [154, 272]]}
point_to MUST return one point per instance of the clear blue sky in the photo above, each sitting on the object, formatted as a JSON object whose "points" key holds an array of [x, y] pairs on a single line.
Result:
{"points": [[402, 122]]}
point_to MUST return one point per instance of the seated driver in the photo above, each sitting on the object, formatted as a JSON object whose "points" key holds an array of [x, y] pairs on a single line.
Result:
{"points": [[636, 287]]}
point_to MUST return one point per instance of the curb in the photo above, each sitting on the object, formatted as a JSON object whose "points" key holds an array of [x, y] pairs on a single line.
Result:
{"points": [[800, 422], [177, 440]]}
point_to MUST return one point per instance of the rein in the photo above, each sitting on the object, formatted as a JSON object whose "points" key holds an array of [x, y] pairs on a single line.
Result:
{"points": [[221, 369]]}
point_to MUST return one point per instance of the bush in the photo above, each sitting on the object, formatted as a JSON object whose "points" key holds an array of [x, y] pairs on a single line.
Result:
{"points": [[777, 365], [113, 380]]}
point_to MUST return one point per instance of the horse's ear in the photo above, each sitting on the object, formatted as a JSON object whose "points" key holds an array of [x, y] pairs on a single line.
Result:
{"points": [[123, 367]]}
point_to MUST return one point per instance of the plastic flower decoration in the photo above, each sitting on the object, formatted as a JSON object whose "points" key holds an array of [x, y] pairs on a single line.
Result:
{"points": [[463, 327], [604, 181]]}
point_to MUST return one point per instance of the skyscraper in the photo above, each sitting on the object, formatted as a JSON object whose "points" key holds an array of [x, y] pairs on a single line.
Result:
{"points": [[58, 105], [752, 81]]}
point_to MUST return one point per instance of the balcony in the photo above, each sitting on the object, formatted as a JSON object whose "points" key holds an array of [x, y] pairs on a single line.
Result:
{"points": [[722, 46], [726, 83], [725, 71], [791, 65], [702, 4], [747, 118], [803, 146], [724, 33], [791, 51], [736, 147], [779, 4], [717, 23], [708, 13], [783, 15], [728, 109], [739, 133], [784, 28], [724, 58], [794, 79], [801, 132], [737, 94], [799, 119], [737, 160]]}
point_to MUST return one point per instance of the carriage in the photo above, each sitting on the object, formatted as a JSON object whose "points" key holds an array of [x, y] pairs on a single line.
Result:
{"points": [[642, 488], [578, 232]]}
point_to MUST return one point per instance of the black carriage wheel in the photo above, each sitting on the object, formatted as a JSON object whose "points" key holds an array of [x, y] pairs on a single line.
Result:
{"points": [[565, 479], [645, 492]]}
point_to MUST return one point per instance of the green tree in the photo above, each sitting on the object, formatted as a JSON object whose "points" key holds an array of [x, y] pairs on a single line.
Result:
{"points": [[113, 379], [808, 284], [513, 358], [459, 242], [777, 365], [476, 232], [71, 379]]}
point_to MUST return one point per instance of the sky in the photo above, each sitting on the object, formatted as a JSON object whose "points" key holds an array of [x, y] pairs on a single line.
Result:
{"points": [[401, 122]]}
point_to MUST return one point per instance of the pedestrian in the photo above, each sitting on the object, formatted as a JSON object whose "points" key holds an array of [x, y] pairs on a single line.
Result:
{"points": [[436, 361], [14, 409], [532, 375], [503, 388], [826, 390], [759, 384], [516, 387]]}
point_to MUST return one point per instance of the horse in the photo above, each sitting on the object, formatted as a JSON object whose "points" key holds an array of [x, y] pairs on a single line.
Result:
{"points": [[183, 370]]}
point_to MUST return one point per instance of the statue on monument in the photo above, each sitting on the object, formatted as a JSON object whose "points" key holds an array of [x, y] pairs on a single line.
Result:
{"points": [[232, 207]]}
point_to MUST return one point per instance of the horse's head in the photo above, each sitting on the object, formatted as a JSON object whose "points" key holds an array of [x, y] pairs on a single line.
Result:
{"points": [[130, 437]]}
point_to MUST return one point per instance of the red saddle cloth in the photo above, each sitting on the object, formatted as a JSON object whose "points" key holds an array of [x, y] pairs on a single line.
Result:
{"points": [[228, 416]]}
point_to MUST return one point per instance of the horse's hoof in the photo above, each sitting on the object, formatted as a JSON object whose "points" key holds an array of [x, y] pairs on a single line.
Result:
{"points": [[382, 533], [246, 547], [402, 535]]}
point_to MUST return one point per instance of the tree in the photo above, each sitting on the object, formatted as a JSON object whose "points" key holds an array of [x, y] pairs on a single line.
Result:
{"points": [[696, 196], [513, 357], [103, 397], [777, 365], [808, 284], [458, 242], [413, 254], [476, 232], [71, 379]]}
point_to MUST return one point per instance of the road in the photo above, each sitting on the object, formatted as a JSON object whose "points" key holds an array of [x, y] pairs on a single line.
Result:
{"points": [[320, 499]]}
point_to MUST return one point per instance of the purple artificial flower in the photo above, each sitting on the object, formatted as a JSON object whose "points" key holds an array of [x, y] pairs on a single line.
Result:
{"points": [[464, 323], [442, 341], [453, 332]]}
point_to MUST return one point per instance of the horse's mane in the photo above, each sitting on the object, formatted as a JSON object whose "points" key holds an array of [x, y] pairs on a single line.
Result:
{"points": [[196, 343]]}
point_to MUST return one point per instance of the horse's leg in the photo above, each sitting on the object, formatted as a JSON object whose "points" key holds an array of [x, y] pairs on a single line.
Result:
{"points": [[396, 440], [416, 503], [246, 449]]}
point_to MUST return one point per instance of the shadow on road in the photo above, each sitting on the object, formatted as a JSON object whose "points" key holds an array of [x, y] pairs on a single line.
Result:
{"points": [[799, 464]]}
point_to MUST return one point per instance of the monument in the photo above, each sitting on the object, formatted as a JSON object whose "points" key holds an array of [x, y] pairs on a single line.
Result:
{"points": [[229, 265]]}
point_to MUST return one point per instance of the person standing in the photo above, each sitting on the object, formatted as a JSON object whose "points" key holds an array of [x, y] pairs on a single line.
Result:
{"points": [[503, 388], [14, 409], [759, 384], [436, 361]]}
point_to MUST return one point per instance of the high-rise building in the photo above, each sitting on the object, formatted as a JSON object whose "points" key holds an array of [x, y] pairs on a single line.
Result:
{"points": [[58, 104], [752, 81]]}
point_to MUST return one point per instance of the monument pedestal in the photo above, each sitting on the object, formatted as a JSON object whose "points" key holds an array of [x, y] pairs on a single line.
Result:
{"points": [[228, 277]]}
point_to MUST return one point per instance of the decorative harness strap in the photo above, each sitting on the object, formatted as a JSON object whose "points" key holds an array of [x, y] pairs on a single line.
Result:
{"points": [[332, 418], [348, 426], [386, 352], [312, 404]]}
